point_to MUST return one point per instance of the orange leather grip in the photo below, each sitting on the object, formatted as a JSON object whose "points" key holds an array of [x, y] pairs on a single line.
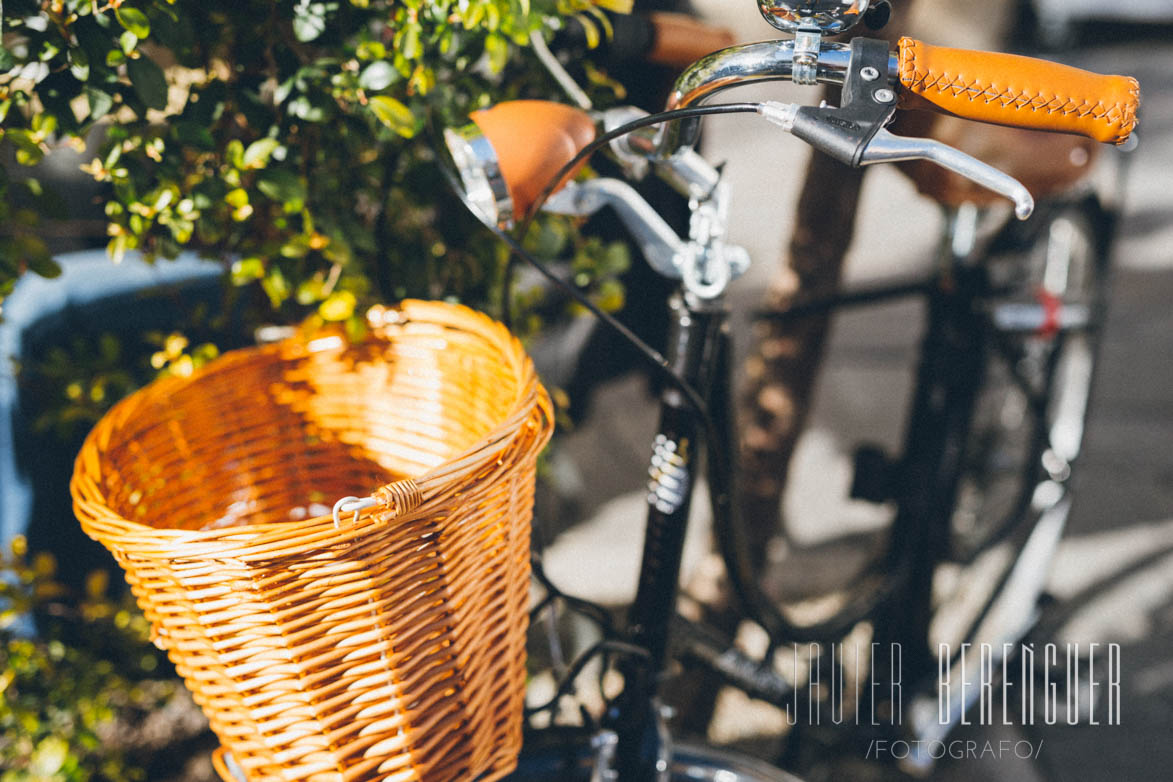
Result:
{"points": [[1022, 92], [680, 40]]}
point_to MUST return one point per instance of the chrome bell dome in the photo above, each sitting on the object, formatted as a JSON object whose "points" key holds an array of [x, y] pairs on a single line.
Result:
{"points": [[829, 17]]}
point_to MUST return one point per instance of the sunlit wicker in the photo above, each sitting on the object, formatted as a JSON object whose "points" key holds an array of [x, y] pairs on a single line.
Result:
{"points": [[386, 644]]}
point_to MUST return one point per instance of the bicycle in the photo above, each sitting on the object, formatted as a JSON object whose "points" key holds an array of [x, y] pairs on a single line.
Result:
{"points": [[974, 318]]}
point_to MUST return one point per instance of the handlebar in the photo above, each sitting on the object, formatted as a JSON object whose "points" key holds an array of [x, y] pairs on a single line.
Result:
{"points": [[1002, 89], [740, 65], [507, 173]]}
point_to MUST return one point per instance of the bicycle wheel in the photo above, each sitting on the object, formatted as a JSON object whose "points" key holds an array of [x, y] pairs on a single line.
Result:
{"points": [[566, 755], [1029, 419], [569, 758]]}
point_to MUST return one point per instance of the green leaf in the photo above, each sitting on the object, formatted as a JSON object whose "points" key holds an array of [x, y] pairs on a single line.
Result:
{"points": [[283, 90], [134, 20], [377, 76], [309, 20], [28, 151], [100, 103], [234, 153], [282, 186], [311, 108], [181, 229], [44, 124], [79, 64], [550, 239], [7, 61], [310, 291], [371, 50], [237, 198], [116, 248], [409, 45], [246, 270], [394, 115], [474, 16], [148, 81], [49, 756], [297, 247], [192, 134], [616, 259], [497, 50], [258, 153], [276, 287], [127, 41], [36, 256], [423, 80], [610, 296], [339, 306]]}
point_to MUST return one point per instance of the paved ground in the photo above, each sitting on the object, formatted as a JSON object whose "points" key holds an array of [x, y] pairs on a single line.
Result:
{"points": [[1116, 564]]}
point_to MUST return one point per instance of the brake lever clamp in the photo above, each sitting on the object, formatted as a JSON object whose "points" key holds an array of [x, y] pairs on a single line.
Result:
{"points": [[710, 263], [868, 103]]}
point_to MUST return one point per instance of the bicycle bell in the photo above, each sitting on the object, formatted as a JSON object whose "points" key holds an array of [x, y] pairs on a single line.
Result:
{"points": [[829, 17]]}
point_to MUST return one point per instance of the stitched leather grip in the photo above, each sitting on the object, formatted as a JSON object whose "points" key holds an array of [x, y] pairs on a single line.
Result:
{"points": [[1022, 92]]}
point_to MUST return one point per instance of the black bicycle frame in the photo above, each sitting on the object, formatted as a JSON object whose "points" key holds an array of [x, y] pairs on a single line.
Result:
{"points": [[954, 352], [697, 351]]}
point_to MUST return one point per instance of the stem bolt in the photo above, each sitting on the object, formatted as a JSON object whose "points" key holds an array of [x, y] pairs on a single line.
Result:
{"points": [[884, 96], [869, 73]]}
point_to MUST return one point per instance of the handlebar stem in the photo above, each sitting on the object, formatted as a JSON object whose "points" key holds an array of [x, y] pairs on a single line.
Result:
{"points": [[687, 172]]}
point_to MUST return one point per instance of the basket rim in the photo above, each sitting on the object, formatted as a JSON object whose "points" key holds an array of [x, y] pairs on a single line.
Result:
{"points": [[530, 403]]}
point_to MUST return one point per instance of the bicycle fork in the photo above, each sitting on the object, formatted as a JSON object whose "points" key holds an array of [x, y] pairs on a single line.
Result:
{"points": [[698, 340]]}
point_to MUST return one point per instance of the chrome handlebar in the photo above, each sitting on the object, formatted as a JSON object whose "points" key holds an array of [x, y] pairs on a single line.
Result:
{"points": [[744, 64]]}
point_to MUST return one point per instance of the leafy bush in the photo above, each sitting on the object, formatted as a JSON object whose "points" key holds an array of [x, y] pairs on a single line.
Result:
{"points": [[286, 138], [71, 697], [290, 139]]}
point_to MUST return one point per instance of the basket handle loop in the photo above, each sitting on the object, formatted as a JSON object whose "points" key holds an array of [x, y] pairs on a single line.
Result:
{"points": [[401, 496]]}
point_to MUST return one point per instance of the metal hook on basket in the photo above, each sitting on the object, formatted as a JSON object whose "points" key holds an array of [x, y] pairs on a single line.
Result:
{"points": [[348, 504]]}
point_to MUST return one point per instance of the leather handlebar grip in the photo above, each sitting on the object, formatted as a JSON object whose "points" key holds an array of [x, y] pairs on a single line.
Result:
{"points": [[1022, 92]]}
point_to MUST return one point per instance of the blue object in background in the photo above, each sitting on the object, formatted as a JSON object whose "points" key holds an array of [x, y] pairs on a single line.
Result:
{"points": [[92, 295]]}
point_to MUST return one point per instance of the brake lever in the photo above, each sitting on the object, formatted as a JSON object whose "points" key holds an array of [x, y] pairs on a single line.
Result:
{"points": [[886, 147], [863, 146], [854, 133]]}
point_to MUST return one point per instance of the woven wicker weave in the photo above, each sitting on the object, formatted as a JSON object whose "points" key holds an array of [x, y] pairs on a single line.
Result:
{"points": [[387, 646]]}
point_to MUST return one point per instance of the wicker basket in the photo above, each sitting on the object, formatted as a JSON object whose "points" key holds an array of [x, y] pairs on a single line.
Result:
{"points": [[387, 644]]}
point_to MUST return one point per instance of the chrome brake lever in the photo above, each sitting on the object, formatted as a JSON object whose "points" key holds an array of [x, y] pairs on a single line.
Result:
{"points": [[659, 244], [887, 147]]}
